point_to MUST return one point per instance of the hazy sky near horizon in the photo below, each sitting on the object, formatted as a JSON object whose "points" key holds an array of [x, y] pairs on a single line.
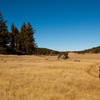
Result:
{"points": [[59, 24]]}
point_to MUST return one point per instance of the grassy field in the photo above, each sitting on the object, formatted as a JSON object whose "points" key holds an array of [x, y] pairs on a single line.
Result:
{"points": [[46, 78]]}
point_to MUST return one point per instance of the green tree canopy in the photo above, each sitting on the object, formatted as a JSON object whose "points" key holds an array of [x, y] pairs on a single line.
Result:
{"points": [[4, 34]]}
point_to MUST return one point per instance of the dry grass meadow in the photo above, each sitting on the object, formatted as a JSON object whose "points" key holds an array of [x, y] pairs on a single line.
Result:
{"points": [[46, 78]]}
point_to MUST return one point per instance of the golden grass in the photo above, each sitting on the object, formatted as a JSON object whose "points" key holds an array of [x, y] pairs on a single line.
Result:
{"points": [[46, 78]]}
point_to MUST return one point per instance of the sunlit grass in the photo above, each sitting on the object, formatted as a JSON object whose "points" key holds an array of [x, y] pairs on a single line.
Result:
{"points": [[46, 78]]}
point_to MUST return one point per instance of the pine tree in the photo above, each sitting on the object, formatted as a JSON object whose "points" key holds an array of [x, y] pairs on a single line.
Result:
{"points": [[27, 39], [14, 37], [4, 35], [31, 45], [23, 38], [17, 39], [22, 42]]}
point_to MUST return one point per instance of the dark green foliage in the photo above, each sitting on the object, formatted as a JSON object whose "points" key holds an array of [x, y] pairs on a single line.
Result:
{"points": [[16, 42], [15, 38], [23, 38], [92, 50], [3, 50], [30, 41], [4, 35], [27, 40], [45, 51], [20, 42]]}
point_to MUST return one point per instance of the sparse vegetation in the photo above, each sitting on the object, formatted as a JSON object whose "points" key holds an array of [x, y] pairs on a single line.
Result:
{"points": [[63, 55]]}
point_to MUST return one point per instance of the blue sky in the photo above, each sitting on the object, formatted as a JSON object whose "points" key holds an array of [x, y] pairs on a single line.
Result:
{"points": [[59, 24]]}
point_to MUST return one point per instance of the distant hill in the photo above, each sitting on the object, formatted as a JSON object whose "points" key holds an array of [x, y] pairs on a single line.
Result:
{"points": [[45, 51], [92, 50]]}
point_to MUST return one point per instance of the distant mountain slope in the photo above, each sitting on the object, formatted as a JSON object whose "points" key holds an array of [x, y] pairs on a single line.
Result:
{"points": [[45, 51], [92, 50]]}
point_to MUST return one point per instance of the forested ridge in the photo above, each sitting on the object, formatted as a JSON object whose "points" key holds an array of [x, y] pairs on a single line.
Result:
{"points": [[91, 50]]}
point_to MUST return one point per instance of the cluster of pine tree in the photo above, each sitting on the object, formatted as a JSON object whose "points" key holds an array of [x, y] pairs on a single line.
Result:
{"points": [[16, 42]]}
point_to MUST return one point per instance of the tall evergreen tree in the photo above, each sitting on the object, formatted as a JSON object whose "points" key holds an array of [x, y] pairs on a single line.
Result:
{"points": [[31, 45], [4, 35], [23, 37], [27, 38], [14, 37]]}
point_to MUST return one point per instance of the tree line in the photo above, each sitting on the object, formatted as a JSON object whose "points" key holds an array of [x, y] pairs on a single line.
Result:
{"points": [[21, 42]]}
